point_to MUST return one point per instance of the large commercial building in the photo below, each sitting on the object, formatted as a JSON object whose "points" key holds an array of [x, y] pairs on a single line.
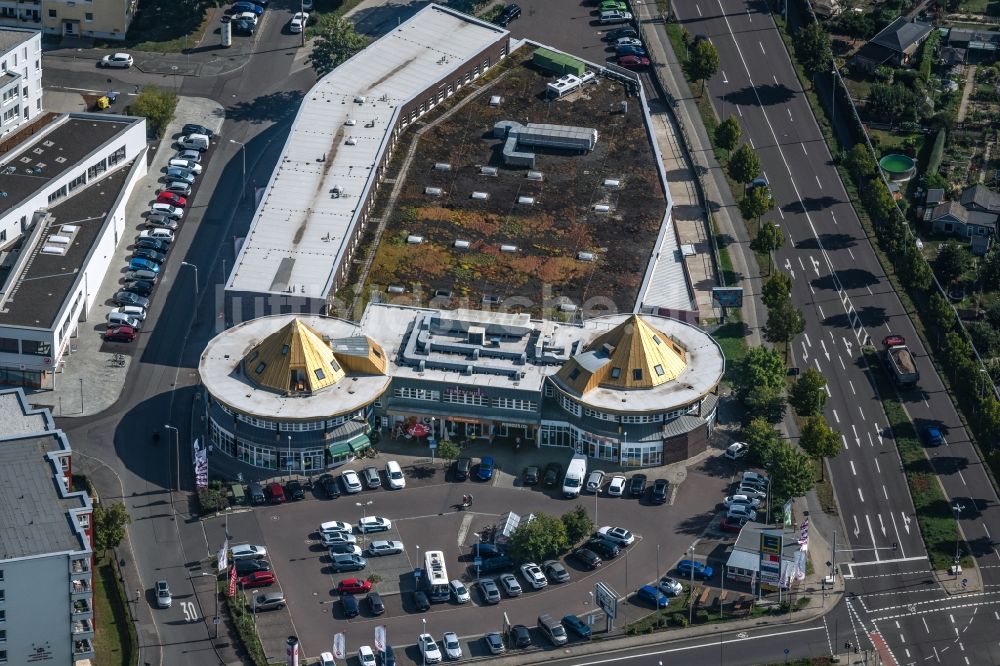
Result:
{"points": [[46, 596], [64, 183], [20, 77], [306, 393], [104, 19]]}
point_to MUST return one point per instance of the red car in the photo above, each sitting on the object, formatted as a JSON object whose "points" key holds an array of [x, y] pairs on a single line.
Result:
{"points": [[732, 525], [633, 62], [119, 334], [353, 586], [276, 493], [172, 199], [258, 579]]}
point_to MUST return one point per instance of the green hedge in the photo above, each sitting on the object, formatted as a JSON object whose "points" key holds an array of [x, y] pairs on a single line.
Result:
{"points": [[937, 152]]}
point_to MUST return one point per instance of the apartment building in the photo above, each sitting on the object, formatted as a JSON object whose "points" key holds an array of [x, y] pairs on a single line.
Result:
{"points": [[46, 595], [20, 77], [103, 19]]}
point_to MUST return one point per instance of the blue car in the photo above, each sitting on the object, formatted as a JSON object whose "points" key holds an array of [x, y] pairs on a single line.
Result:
{"points": [[651, 595], [702, 571], [243, 6], [140, 264], [485, 471], [630, 51], [933, 436], [577, 626]]}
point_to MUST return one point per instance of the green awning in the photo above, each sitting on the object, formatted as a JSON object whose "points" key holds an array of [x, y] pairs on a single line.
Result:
{"points": [[338, 449], [359, 443]]}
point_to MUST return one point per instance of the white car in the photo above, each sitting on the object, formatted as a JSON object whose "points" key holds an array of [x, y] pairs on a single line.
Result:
{"points": [[335, 526], [352, 484], [732, 500], [429, 649], [326, 659], [345, 549], [190, 165], [189, 155], [298, 22], [616, 487], [533, 574], [394, 473], [382, 547], [670, 587], [336, 538], [374, 524], [737, 450], [618, 535], [245, 16], [365, 656], [163, 598], [117, 60], [751, 491], [510, 585], [248, 551], [629, 41], [134, 311], [459, 591], [452, 648], [166, 209], [165, 235]]}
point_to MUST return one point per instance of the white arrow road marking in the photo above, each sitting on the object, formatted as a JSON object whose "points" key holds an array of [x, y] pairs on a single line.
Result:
{"points": [[857, 529], [881, 524], [853, 471], [823, 345], [872, 532], [805, 353], [788, 267], [724, 79], [906, 522], [815, 264]]}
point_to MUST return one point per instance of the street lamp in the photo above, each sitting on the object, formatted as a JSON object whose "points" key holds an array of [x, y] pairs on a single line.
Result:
{"points": [[422, 651], [364, 514], [184, 263], [215, 592], [957, 508], [691, 593], [177, 454], [288, 458], [243, 179]]}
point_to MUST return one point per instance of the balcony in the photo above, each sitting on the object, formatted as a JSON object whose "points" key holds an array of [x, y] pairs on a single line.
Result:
{"points": [[83, 629], [80, 588], [82, 609], [80, 566], [82, 648]]}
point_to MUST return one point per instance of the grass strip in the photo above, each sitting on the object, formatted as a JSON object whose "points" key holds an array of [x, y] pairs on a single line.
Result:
{"points": [[246, 626], [114, 633]]}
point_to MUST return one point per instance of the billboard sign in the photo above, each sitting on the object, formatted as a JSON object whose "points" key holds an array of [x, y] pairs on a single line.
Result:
{"points": [[607, 599], [727, 297], [770, 557]]}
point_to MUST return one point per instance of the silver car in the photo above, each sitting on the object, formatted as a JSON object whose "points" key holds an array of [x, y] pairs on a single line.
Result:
{"points": [[269, 601], [163, 598], [510, 585], [178, 187], [383, 547], [178, 173], [489, 591], [594, 481]]}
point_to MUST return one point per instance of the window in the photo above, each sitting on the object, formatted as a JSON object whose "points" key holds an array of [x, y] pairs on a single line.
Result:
{"points": [[642, 418], [659, 370], [3, 635], [574, 374], [616, 373], [637, 374], [515, 403], [603, 416], [88, 17], [3, 656], [657, 339], [284, 350], [260, 367], [36, 348], [569, 405], [78, 181], [320, 375], [9, 346], [417, 394], [466, 397], [549, 391], [116, 157], [3, 616], [52, 13]]}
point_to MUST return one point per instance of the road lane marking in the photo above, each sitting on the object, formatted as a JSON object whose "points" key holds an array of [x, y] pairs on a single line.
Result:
{"points": [[820, 308], [699, 9], [962, 477], [775, 79], [818, 369], [841, 359], [750, 139], [817, 177], [886, 493], [861, 412], [804, 148], [463, 531], [790, 118], [808, 341], [868, 520], [852, 387], [739, 111], [853, 471], [835, 416], [724, 79], [827, 389], [862, 500], [877, 468], [843, 439], [761, 45], [850, 253]]}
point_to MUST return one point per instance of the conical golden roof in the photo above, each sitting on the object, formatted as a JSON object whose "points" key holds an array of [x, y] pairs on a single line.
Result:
{"points": [[293, 359], [632, 355]]}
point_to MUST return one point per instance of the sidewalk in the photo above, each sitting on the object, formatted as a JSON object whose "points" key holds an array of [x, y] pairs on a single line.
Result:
{"points": [[87, 382]]}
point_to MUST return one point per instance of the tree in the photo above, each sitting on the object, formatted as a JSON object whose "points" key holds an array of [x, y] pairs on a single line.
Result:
{"points": [[578, 524], [760, 368], [744, 165], [783, 324], [704, 62], [776, 290], [812, 46], [214, 498], [761, 438], [942, 317], [448, 450], [542, 538], [951, 262], [727, 134], [109, 525], [989, 269], [755, 203], [769, 237], [937, 152], [859, 163], [819, 440], [791, 473], [807, 394], [337, 41], [913, 269], [156, 106], [895, 102]]}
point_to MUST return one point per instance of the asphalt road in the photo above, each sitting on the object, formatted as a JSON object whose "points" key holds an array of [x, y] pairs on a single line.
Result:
{"points": [[846, 299]]}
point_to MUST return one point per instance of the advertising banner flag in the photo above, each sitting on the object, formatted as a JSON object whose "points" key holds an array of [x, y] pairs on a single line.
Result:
{"points": [[339, 646], [804, 532], [380, 638], [788, 513], [223, 556], [232, 581]]}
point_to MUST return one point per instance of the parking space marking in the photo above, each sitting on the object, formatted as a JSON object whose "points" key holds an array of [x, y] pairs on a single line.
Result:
{"points": [[463, 530]]}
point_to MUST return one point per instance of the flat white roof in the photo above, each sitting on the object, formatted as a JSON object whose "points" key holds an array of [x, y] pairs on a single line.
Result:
{"points": [[297, 236]]}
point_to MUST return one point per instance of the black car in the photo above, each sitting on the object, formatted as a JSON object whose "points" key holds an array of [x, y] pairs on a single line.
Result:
{"points": [[375, 604], [509, 13], [494, 564], [152, 255], [602, 547], [553, 473], [637, 485], [530, 476], [140, 287], [330, 486], [462, 467], [485, 550], [420, 601], [191, 128], [152, 244], [342, 549], [618, 33], [658, 493], [294, 491], [586, 557], [244, 27], [555, 571], [520, 637], [247, 567], [128, 298], [350, 605]]}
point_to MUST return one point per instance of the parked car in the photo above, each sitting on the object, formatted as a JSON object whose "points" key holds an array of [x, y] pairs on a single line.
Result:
{"points": [[622, 51], [586, 557], [553, 475], [239, 8], [349, 604], [329, 485], [495, 564], [258, 579], [628, 41], [616, 16], [171, 198], [507, 14], [132, 311], [128, 298], [420, 601], [618, 33], [933, 436], [275, 493], [577, 626], [382, 547], [269, 601], [737, 450], [732, 523], [533, 574], [594, 481], [658, 492], [633, 62], [180, 173], [670, 587], [485, 550], [618, 535], [160, 221], [616, 486], [190, 166], [637, 485], [653, 596], [335, 526], [555, 571], [530, 476], [612, 6], [245, 567], [173, 212], [352, 484], [452, 648], [510, 585], [489, 591], [332, 539], [164, 236], [248, 551], [152, 244], [343, 562], [141, 287], [754, 477], [294, 490], [163, 596], [192, 128], [152, 255], [343, 548], [180, 187], [394, 474], [189, 154], [246, 16], [354, 586], [741, 511], [141, 264], [494, 642], [375, 603], [520, 637], [686, 567], [459, 592], [298, 22], [372, 479], [752, 491], [731, 500], [117, 61], [462, 467], [606, 549], [122, 333], [374, 524], [485, 470]]}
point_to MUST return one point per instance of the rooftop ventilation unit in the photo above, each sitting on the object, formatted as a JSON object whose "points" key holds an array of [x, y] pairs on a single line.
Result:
{"points": [[496, 100], [536, 176], [567, 307], [462, 244], [480, 196], [414, 240], [442, 166], [602, 208], [613, 183], [585, 256], [421, 366], [53, 249], [59, 240], [526, 201], [396, 289], [359, 99], [488, 171], [433, 191], [68, 229], [476, 335], [351, 122], [468, 370], [687, 250], [351, 141], [508, 248]]}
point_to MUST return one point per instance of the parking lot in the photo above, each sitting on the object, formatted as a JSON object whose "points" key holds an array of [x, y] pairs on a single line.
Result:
{"points": [[426, 516]]}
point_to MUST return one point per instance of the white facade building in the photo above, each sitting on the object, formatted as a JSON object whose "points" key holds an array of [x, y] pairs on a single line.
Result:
{"points": [[20, 77]]}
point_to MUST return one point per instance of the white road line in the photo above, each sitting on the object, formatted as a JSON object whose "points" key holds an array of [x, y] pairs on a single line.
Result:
{"points": [[699, 9], [808, 341], [833, 217], [861, 412], [886, 493], [871, 532], [818, 369], [789, 114], [804, 148], [750, 139], [817, 177], [801, 264], [962, 477], [724, 79], [926, 628], [841, 359], [853, 471], [863, 499], [877, 468], [463, 531], [773, 77], [852, 387], [761, 44], [843, 439], [835, 416], [820, 308], [741, 113], [987, 532], [850, 253], [827, 389]]}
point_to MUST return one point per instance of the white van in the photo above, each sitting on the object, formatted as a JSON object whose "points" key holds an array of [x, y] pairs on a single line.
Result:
{"points": [[197, 142], [575, 473]]}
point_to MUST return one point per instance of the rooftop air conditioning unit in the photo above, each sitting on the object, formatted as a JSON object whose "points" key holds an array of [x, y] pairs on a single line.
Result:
{"points": [[526, 201], [602, 208], [508, 248], [488, 171], [535, 175], [433, 191], [480, 196], [442, 166], [612, 183], [585, 256], [462, 244], [414, 240], [396, 289]]}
